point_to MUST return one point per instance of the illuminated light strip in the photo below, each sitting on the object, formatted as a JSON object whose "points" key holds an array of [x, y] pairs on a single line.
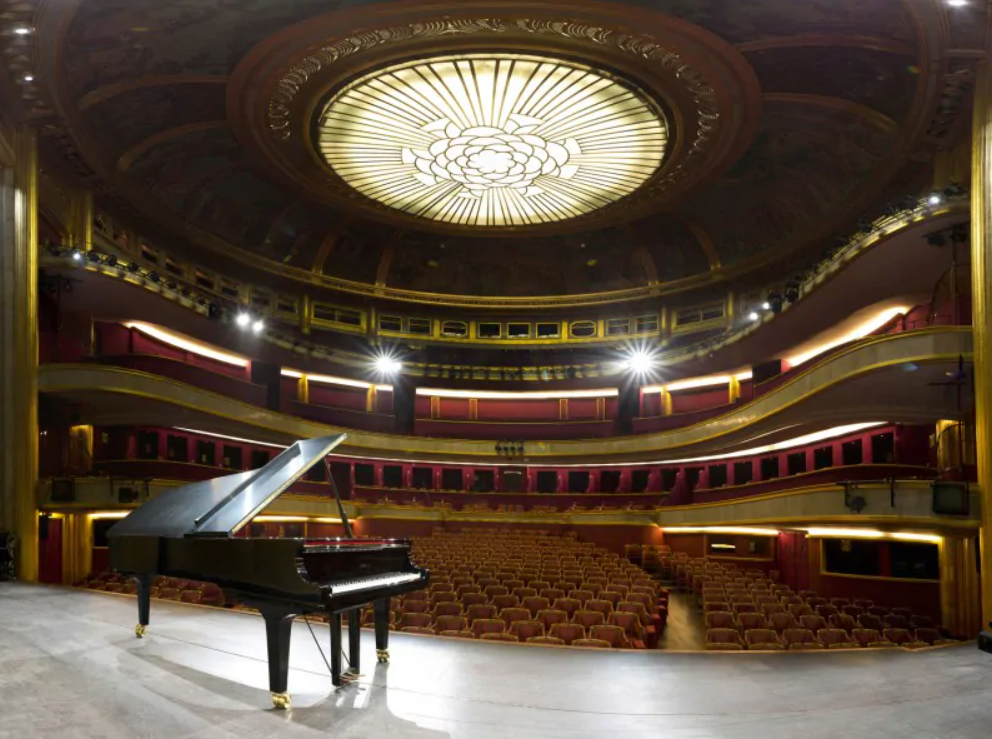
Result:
{"points": [[860, 332], [280, 519], [331, 380], [186, 344], [720, 530], [325, 520], [229, 438], [538, 395], [838, 533], [696, 382], [108, 514]]}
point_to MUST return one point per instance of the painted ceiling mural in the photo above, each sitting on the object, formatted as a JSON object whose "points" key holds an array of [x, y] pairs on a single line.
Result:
{"points": [[840, 87]]}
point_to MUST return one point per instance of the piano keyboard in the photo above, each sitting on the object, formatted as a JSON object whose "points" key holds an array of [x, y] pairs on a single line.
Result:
{"points": [[368, 583]]}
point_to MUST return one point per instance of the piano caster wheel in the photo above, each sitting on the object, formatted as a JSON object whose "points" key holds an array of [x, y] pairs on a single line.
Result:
{"points": [[281, 701], [382, 655], [139, 631]]}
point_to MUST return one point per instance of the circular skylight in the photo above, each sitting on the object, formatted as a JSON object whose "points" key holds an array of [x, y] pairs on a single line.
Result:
{"points": [[492, 140]]}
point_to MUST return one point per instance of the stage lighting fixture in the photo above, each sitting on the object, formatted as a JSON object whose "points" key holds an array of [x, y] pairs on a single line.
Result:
{"points": [[957, 3], [258, 326], [133, 267], [112, 260], [29, 78], [753, 315], [77, 256], [243, 320], [387, 365], [93, 256], [766, 306], [22, 30], [935, 198], [791, 292], [639, 362], [775, 302]]}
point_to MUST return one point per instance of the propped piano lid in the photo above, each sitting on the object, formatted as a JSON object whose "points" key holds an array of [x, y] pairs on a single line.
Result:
{"points": [[222, 506]]}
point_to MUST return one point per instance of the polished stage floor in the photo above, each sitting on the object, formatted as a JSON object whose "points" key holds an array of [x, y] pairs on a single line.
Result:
{"points": [[70, 666]]}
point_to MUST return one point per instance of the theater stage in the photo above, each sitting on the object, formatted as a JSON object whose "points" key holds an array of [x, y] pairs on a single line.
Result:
{"points": [[70, 666]]}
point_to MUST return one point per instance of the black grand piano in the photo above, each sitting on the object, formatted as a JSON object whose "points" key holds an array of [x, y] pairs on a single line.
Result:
{"points": [[190, 532]]}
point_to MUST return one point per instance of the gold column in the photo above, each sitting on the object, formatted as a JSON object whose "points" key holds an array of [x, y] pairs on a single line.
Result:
{"points": [[19, 350], [734, 390], [981, 288], [77, 547], [562, 409], [665, 402], [371, 396], [303, 389], [960, 600], [81, 236]]}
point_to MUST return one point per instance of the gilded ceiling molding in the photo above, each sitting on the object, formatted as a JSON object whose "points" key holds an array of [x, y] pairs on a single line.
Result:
{"points": [[106, 92], [130, 156], [386, 260], [814, 40], [705, 243], [327, 245]]}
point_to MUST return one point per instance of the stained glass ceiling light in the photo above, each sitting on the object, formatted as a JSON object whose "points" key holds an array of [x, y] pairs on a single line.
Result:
{"points": [[492, 140]]}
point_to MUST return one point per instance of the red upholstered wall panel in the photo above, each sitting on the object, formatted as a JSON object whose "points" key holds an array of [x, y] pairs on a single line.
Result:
{"points": [[582, 409], [384, 402], [141, 344], [453, 408], [691, 544], [101, 559], [694, 400], [337, 396], [290, 388], [518, 410], [112, 339]]}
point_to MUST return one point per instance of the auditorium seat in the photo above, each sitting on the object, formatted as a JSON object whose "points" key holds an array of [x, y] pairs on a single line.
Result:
{"points": [[551, 616], [505, 601], [588, 619], [498, 636], [603, 606], [517, 613], [452, 626], [836, 639], [827, 611], [494, 591], [920, 622], [931, 636], [864, 603], [800, 639], [581, 595], [546, 640], [524, 630], [417, 630], [901, 611], [568, 605], [813, 622], [480, 610], [552, 594], [523, 593], [879, 611], [869, 621], [800, 609], [902, 637], [414, 606], [189, 596], [568, 632], [852, 610], [896, 621], [762, 639], [632, 628], [472, 599], [446, 596], [610, 633], [722, 637], [870, 638], [535, 603], [419, 620], [591, 643], [749, 621], [447, 609], [720, 620], [168, 593]]}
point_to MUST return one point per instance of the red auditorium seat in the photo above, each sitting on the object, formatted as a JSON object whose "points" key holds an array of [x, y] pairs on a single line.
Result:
{"points": [[902, 638], [568, 632], [749, 621], [613, 634], [546, 640], [418, 620], [568, 605], [447, 609], [931, 636], [488, 626], [836, 639], [509, 615], [452, 626], [415, 606], [870, 638], [762, 639], [813, 623], [168, 593], [591, 643], [632, 628], [189, 596], [417, 630], [588, 619], [551, 616], [498, 636], [720, 620], [505, 601], [869, 621], [722, 639], [526, 630], [480, 610], [800, 639], [535, 603]]}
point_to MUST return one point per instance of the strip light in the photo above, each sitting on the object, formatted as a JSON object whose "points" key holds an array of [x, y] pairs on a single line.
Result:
{"points": [[697, 382], [860, 332], [611, 392], [229, 438], [839, 533], [746, 530], [187, 344], [280, 519], [100, 515], [332, 380]]}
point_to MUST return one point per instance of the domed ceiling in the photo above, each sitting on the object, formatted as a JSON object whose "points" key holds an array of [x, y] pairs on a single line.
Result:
{"points": [[495, 148]]}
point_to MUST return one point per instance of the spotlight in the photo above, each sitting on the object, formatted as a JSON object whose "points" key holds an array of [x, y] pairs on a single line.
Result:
{"points": [[133, 267], [112, 260], [29, 78], [639, 362], [22, 31], [387, 365], [753, 316], [93, 256], [257, 326], [935, 198], [77, 256], [791, 292], [243, 320], [957, 3], [766, 305], [775, 301]]}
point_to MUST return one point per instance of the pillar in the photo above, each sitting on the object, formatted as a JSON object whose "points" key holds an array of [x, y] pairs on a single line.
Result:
{"points": [[734, 391], [959, 586], [81, 225], [981, 289], [19, 346]]}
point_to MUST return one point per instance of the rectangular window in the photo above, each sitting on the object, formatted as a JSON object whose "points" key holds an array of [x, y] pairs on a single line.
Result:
{"points": [[883, 448], [646, 324], [823, 458], [618, 327], [548, 331], [518, 331], [232, 457], [916, 561], [852, 452], [317, 473], [489, 330], [423, 478], [259, 458], [147, 445], [718, 475], [797, 463], [484, 481], [609, 481], [547, 481], [391, 323], [743, 473], [364, 474], [639, 480], [452, 479], [668, 476], [454, 329], [769, 468], [420, 326], [177, 448], [578, 481], [206, 453], [392, 476], [852, 556], [583, 329]]}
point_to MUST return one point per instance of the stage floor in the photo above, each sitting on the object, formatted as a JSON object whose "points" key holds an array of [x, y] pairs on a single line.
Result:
{"points": [[70, 666]]}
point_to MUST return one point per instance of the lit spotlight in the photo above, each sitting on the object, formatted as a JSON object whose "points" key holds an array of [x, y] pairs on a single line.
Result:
{"points": [[935, 199], [753, 315], [387, 365], [29, 78], [639, 362], [258, 326], [243, 320], [77, 256], [766, 306], [22, 30], [957, 3]]}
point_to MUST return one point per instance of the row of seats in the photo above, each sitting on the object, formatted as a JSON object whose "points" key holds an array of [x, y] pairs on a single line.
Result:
{"points": [[826, 638], [163, 588]]}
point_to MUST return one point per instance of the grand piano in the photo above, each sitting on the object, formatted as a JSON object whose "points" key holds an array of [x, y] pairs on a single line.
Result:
{"points": [[189, 532]]}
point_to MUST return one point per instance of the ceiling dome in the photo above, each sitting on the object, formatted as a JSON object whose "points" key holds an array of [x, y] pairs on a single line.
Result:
{"points": [[492, 140]]}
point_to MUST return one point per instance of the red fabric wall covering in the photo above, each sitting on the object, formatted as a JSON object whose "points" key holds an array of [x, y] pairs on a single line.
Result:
{"points": [[506, 500], [422, 406], [290, 388], [101, 559], [338, 396], [339, 416], [514, 430], [650, 406], [452, 408], [384, 402], [518, 410], [678, 420], [112, 339], [684, 401], [691, 544], [582, 409], [50, 553], [232, 387]]}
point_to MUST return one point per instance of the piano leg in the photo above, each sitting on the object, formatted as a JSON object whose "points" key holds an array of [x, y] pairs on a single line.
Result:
{"points": [[380, 609], [355, 640], [336, 649], [144, 583], [278, 630]]}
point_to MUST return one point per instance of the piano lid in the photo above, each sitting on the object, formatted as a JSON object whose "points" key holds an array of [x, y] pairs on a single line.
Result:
{"points": [[222, 506]]}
